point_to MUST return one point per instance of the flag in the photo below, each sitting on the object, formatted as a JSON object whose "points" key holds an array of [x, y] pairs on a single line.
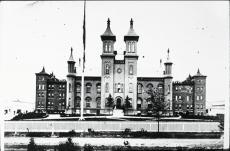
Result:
{"points": [[84, 36]]}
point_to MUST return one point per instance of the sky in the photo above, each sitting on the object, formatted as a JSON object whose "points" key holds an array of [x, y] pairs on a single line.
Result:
{"points": [[37, 34]]}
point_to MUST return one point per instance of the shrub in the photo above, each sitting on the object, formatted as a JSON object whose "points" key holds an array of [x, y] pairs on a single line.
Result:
{"points": [[88, 147], [68, 146], [31, 146]]}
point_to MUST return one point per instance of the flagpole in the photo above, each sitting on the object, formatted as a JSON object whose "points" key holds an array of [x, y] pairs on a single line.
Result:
{"points": [[82, 93], [83, 68]]}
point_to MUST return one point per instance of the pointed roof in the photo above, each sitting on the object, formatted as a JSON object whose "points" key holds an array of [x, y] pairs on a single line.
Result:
{"points": [[71, 56], [198, 74], [168, 61], [131, 35], [43, 72], [108, 35]]}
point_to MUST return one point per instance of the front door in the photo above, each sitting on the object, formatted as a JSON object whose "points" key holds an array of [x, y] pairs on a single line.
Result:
{"points": [[118, 104]]}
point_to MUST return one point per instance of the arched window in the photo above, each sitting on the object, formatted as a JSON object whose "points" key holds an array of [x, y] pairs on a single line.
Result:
{"points": [[78, 86], [107, 87], [98, 100], [98, 88], [131, 69], [107, 69], [149, 86], [88, 100], [88, 87], [78, 102], [139, 88]]}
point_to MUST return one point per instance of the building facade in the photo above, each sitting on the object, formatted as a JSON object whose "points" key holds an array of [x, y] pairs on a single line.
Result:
{"points": [[118, 79]]}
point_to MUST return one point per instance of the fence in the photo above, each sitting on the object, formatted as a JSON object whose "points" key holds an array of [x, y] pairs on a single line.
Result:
{"points": [[80, 126]]}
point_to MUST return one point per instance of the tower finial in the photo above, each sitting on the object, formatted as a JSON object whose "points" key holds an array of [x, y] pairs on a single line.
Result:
{"points": [[168, 54], [43, 69], [108, 22], [131, 23], [71, 55], [198, 71]]}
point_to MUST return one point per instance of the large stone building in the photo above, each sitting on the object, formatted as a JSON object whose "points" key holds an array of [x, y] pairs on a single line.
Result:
{"points": [[118, 79]]}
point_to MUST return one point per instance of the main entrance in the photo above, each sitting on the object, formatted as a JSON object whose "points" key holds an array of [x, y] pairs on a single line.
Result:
{"points": [[118, 103]]}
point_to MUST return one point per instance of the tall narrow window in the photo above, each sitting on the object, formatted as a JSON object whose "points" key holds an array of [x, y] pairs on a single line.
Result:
{"points": [[98, 100], [70, 87], [78, 87], [88, 100], [98, 88], [168, 89], [107, 87], [130, 87], [88, 87], [187, 98], [139, 88], [107, 69], [131, 69]]}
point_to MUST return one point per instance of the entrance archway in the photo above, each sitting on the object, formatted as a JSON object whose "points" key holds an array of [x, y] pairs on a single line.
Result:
{"points": [[118, 102]]}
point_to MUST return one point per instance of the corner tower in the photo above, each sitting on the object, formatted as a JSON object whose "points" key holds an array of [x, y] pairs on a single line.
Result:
{"points": [[71, 77], [107, 58], [168, 83], [131, 57], [199, 93]]}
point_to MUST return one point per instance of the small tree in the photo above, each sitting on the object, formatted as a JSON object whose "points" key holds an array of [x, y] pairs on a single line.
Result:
{"points": [[159, 106], [110, 101], [127, 102], [31, 146], [68, 146]]}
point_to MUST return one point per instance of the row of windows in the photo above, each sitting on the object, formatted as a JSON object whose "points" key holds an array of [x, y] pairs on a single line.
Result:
{"points": [[199, 106], [88, 88], [107, 46], [108, 69], [41, 94], [131, 47], [150, 86], [179, 98], [180, 107], [41, 87], [88, 101], [199, 88], [51, 86], [199, 97]]}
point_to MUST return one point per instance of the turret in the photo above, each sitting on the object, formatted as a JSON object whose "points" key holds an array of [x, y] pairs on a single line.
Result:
{"points": [[108, 39], [71, 63], [71, 78], [168, 66], [200, 93], [131, 40]]}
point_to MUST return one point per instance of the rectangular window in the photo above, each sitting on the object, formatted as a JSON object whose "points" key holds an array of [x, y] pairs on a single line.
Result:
{"points": [[197, 97], [201, 97], [187, 98], [179, 106], [179, 97], [176, 97]]}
